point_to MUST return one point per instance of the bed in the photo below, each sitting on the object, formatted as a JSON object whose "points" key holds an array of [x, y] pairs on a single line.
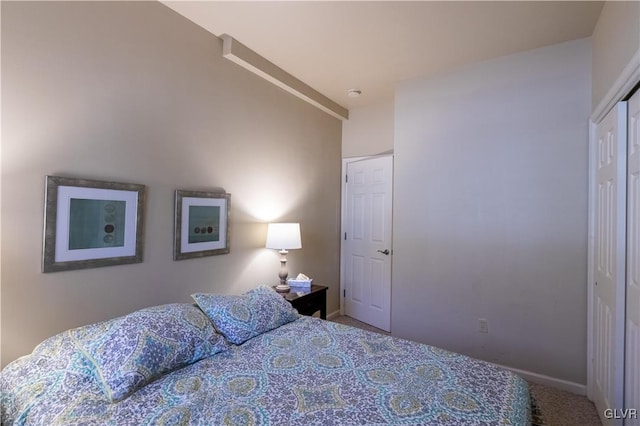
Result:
{"points": [[250, 360]]}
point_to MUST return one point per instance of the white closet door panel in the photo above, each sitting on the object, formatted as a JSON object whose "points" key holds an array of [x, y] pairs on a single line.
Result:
{"points": [[609, 291]]}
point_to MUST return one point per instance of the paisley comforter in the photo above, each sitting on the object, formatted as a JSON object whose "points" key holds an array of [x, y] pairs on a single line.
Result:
{"points": [[306, 372]]}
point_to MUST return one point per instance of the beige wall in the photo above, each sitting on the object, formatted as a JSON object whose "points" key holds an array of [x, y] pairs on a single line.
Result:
{"points": [[490, 210], [133, 92], [369, 130], [616, 39]]}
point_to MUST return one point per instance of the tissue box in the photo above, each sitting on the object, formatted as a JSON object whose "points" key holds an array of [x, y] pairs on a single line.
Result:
{"points": [[306, 284]]}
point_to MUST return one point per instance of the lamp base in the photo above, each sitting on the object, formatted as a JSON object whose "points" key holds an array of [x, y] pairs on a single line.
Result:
{"points": [[283, 288]]}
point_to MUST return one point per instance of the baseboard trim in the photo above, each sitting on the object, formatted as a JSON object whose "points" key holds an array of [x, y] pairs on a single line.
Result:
{"points": [[565, 385], [333, 315]]}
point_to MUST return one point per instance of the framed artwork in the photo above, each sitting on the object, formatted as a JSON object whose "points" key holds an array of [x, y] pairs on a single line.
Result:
{"points": [[201, 224], [89, 224]]}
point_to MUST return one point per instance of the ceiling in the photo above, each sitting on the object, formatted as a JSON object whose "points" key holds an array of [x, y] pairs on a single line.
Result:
{"points": [[372, 45]]}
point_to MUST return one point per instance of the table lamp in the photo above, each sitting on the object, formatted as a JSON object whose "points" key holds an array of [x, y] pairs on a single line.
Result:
{"points": [[283, 237]]}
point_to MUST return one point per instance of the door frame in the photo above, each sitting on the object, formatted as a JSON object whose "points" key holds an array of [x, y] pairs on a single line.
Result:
{"points": [[621, 89], [343, 218], [591, 224], [591, 263]]}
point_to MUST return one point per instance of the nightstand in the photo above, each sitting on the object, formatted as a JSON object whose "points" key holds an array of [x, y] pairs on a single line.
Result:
{"points": [[309, 301]]}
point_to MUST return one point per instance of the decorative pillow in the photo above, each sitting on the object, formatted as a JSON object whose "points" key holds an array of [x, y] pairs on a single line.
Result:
{"points": [[239, 318], [131, 351]]}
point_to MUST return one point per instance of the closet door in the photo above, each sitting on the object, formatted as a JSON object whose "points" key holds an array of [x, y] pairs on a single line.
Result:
{"points": [[610, 247], [632, 358]]}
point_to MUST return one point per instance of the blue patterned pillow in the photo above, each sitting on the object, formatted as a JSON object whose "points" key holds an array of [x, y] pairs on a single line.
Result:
{"points": [[239, 318], [131, 351]]}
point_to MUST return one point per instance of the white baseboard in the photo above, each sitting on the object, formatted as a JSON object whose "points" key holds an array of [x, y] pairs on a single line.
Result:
{"points": [[549, 381], [333, 315]]}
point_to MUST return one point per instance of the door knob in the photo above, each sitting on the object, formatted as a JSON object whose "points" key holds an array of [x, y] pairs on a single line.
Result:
{"points": [[385, 252]]}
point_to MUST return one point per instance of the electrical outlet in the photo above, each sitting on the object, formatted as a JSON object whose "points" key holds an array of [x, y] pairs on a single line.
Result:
{"points": [[483, 325]]}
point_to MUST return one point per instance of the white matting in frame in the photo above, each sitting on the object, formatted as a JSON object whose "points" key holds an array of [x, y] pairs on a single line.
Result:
{"points": [[101, 243]]}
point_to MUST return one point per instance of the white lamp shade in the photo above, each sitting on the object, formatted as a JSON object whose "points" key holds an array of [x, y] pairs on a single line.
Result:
{"points": [[283, 236]]}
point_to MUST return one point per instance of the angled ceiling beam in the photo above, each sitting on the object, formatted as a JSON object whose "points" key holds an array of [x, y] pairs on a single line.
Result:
{"points": [[247, 58]]}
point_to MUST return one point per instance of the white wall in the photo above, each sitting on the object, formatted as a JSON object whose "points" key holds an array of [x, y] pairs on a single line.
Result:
{"points": [[616, 39], [369, 130], [134, 92], [490, 210]]}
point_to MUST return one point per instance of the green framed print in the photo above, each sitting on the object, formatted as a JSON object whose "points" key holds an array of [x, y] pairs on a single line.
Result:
{"points": [[90, 223], [201, 224]]}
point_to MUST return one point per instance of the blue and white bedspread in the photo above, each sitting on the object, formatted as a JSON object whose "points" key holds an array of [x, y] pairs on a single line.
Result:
{"points": [[306, 372]]}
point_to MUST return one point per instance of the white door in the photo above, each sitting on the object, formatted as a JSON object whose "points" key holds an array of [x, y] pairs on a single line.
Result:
{"points": [[367, 235], [608, 294], [632, 358]]}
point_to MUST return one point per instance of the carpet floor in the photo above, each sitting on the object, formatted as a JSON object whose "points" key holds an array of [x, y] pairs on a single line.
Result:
{"points": [[555, 407]]}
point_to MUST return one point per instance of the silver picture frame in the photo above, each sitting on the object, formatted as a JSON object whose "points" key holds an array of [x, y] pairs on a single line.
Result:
{"points": [[91, 224], [201, 224]]}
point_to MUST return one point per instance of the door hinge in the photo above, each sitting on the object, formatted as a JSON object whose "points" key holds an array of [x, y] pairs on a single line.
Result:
{"points": [[344, 293], [346, 178], [345, 236]]}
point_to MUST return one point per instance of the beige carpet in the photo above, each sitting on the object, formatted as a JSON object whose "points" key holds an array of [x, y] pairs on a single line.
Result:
{"points": [[558, 407], [343, 319], [561, 408]]}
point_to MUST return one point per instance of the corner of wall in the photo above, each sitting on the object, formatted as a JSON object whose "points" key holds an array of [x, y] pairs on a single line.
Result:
{"points": [[369, 130], [616, 54]]}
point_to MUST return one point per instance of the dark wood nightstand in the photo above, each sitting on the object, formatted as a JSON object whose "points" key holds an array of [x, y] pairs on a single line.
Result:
{"points": [[308, 302]]}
